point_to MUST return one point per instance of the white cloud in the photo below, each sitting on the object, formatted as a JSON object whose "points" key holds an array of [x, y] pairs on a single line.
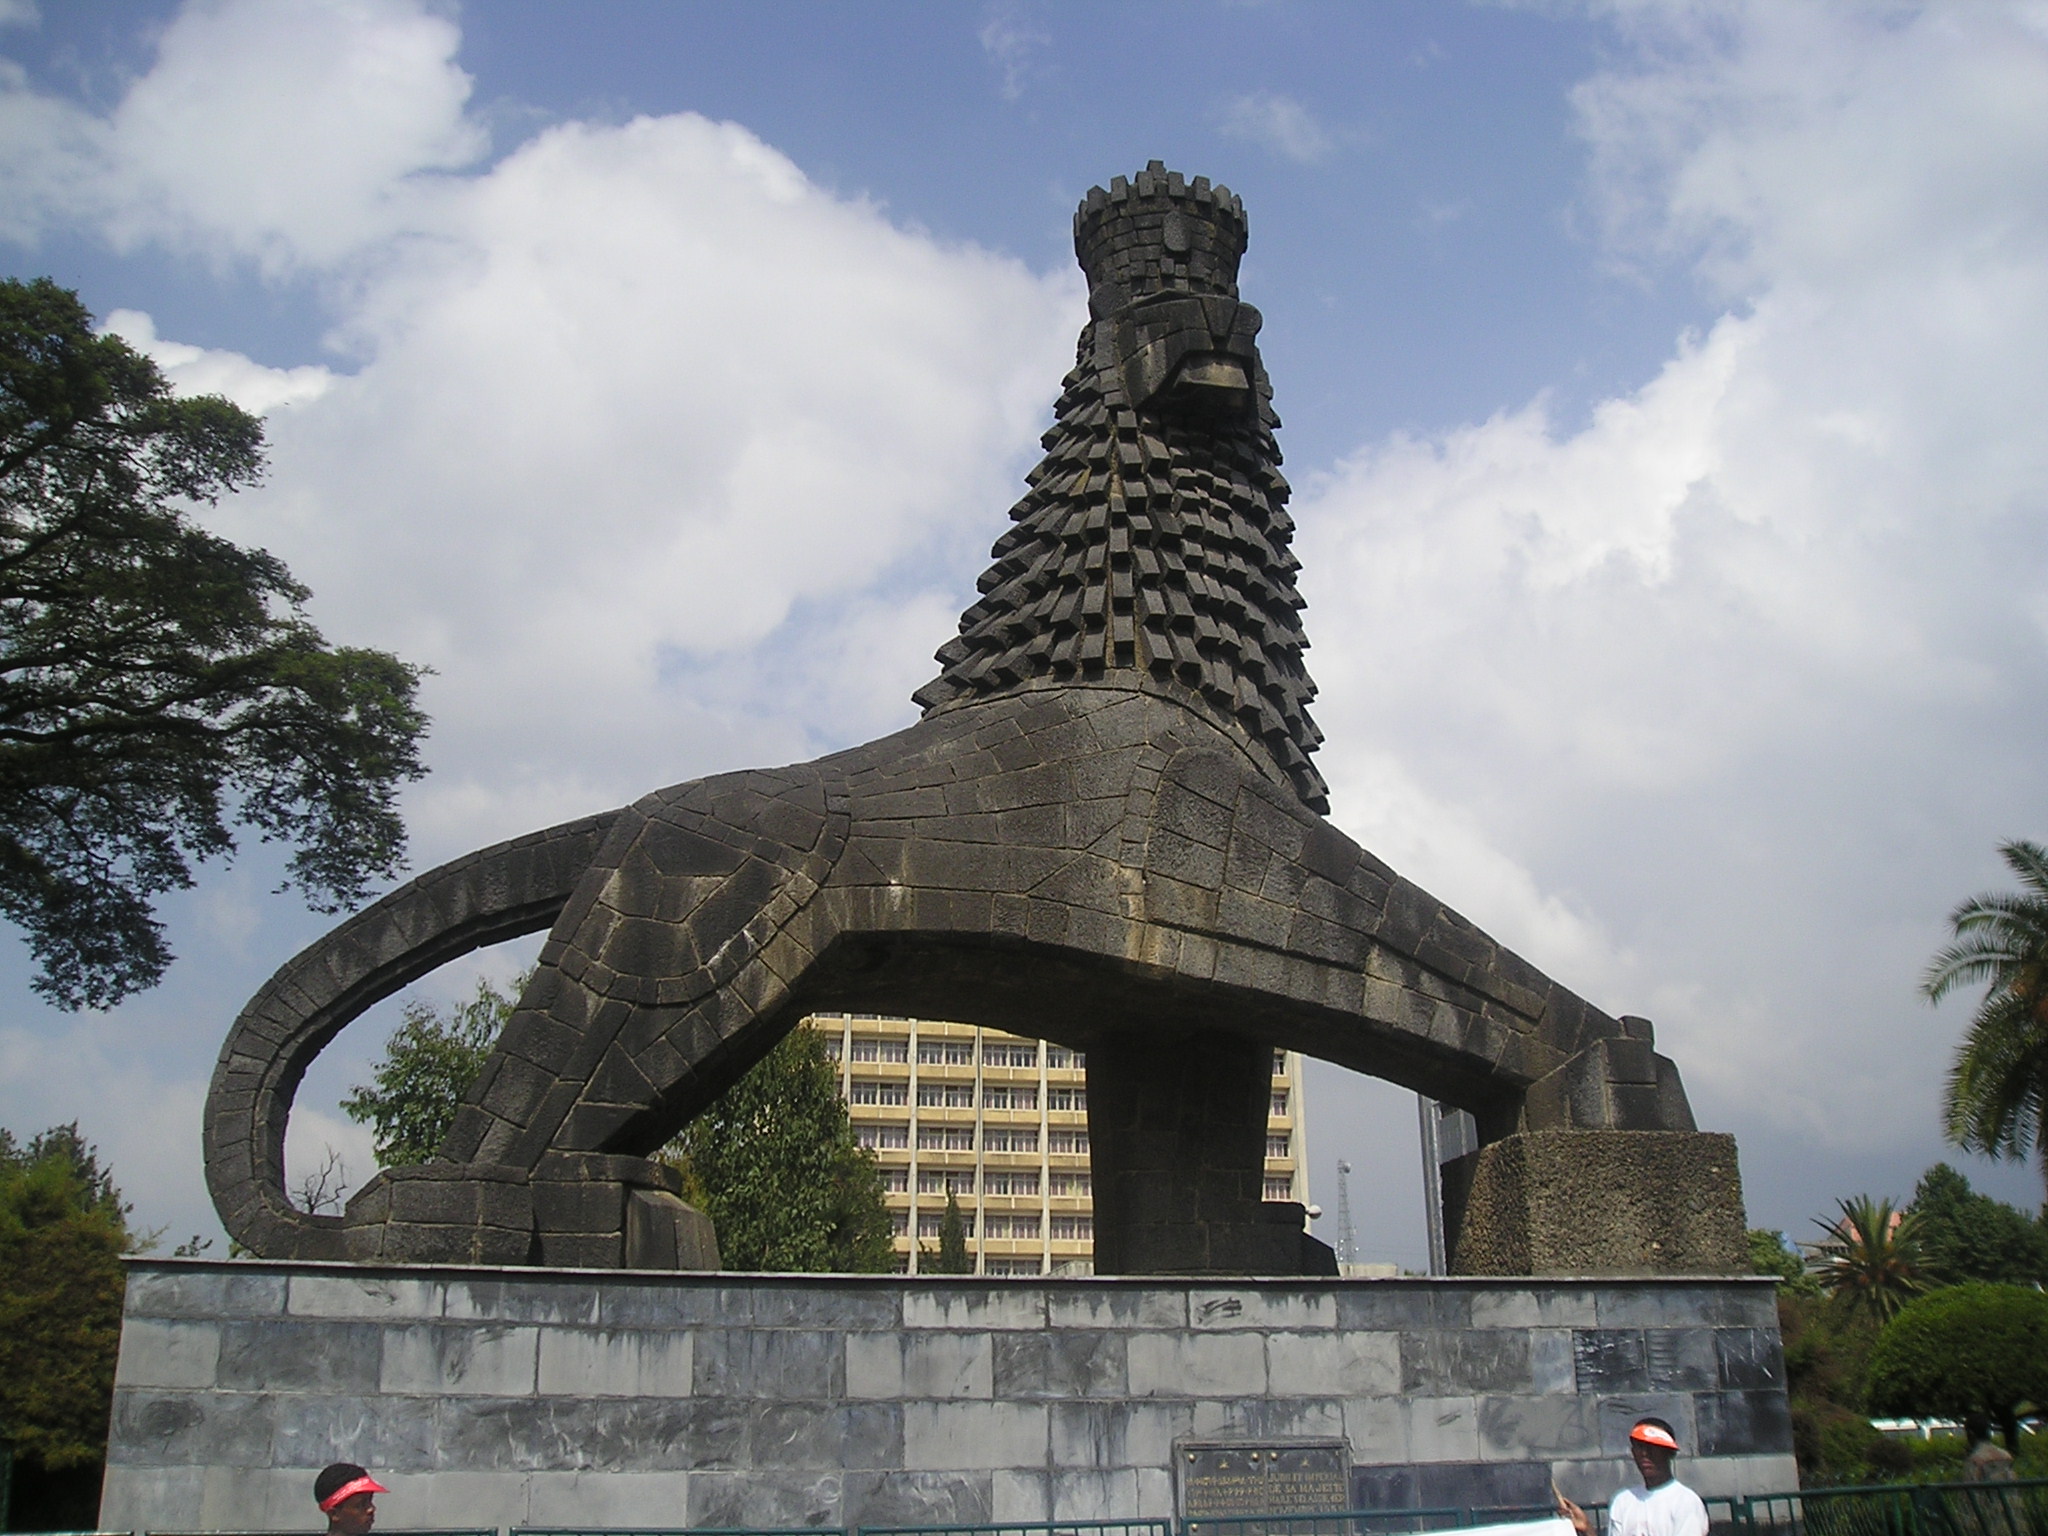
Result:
{"points": [[1013, 41], [1280, 124], [294, 135], [203, 371], [1740, 673]]}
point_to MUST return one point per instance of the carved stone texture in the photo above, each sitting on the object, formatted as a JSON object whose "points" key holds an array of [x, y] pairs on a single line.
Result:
{"points": [[1105, 830], [1599, 1203]]}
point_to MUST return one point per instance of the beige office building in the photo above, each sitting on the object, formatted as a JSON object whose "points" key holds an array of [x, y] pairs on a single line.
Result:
{"points": [[1001, 1122]]}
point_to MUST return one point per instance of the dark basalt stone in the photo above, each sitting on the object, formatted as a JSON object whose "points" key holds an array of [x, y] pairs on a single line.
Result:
{"points": [[1106, 830]]}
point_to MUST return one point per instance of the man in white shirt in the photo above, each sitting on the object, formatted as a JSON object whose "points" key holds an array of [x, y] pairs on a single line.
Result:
{"points": [[1665, 1507]]}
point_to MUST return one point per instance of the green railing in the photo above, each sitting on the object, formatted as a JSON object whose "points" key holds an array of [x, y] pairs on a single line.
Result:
{"points": [[1904, 1509], [1366, 1522], [1929, 1509], [1050, 1528]]}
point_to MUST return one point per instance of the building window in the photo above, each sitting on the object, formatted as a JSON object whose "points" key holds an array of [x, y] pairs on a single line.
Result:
{"points": [[899, 1223], [1009, 1054], [1005, 1182], [832, 1048], [1279, 1063], [945, 1095], [886, 1137], [1009, 1098], [1073, 1229], [945, 1138], [928, 1222], [896, 1181], [894, 1050], [945, 1053], [1280, 1188], [1013, 1266], [1073, 1184], [1066, 1098], [999, 1225], [1058, 1056], [867, 1091], [864, 1050], [1280, 1101], [1069, 1141], [945, 1181], [1009, 1139], [1276, 1146]]}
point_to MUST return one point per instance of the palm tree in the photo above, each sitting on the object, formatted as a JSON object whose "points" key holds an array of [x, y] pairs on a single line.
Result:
{"points": [[1870, 1257], [1997, 1099]]}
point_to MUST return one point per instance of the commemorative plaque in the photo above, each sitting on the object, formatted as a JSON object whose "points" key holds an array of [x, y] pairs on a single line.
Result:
{"points": [[1236, 1478]]}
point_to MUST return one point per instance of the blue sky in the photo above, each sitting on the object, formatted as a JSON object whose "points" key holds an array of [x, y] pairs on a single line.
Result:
{"points": [[1661, 392]]}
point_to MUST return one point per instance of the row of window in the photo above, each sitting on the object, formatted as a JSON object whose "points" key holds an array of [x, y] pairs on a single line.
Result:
{"points": [[956, 1053], [998, 1226], [960, 1138], [994, 1181], [867, 1090]]}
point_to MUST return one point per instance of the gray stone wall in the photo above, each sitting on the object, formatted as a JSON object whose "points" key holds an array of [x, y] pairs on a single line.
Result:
{"points": [[531, 1397]]}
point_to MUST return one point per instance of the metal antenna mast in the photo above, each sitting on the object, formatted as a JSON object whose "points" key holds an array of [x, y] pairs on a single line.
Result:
{"points": [[1347, 1235]]}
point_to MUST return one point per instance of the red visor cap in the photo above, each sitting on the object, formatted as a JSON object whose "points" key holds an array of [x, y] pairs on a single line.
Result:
{"points": [[1650, 1434], [348, 1491]]}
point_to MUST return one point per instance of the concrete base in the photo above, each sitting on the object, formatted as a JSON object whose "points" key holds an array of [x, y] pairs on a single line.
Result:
{"points": [[584, 1399], [1597, 1203]]}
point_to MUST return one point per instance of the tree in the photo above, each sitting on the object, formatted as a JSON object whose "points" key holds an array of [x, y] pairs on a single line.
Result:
{"points": [[63, 1229], [1966, 1351], [953, 1258], [1965, 1235], [160, 685], [774, 1165], [1997, 1097], [1869, 1258], [1770, 1253], [429, 1063]]}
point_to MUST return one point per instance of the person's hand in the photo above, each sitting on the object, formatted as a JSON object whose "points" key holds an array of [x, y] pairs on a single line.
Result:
{"points": [[1581, 1521]]}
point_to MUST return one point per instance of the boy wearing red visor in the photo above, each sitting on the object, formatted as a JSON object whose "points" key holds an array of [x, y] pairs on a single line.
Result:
{"points": [[1665, 1507], [346, 1495]]}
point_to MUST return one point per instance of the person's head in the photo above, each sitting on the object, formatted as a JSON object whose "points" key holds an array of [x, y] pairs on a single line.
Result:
{"points": [[347, 1496], [1653, 1445]]}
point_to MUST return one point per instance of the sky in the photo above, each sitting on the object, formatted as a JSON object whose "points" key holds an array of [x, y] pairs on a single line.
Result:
{"points": [[1663, 396]]}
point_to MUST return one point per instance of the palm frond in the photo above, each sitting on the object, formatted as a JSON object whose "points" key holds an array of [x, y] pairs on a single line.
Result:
{"points": [[1996, 1098], [2029, 861]]}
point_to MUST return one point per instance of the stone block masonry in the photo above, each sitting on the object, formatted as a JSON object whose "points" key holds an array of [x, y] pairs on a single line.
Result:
{"points": [[521, 1396]]}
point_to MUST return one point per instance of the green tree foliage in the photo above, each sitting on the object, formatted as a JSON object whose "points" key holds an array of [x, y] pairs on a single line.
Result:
{"points": [[1997, 1098], [1965, 1235], [953, 1257], [63, 1229], [1868, 1258], [159, 685], [1965, 1351], [1771, 1253], [774, 1165], [428, 1064]]}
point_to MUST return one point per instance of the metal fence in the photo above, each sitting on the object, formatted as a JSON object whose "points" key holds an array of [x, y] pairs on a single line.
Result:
{"points": [[1929, 1509], [1925, 1509], [1366, 1522]]}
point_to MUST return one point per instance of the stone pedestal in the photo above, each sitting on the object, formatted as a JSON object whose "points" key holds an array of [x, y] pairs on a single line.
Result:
{"points": [[575, 1209], [1597, 1203], [1177, 1128], [586, 1399]]}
